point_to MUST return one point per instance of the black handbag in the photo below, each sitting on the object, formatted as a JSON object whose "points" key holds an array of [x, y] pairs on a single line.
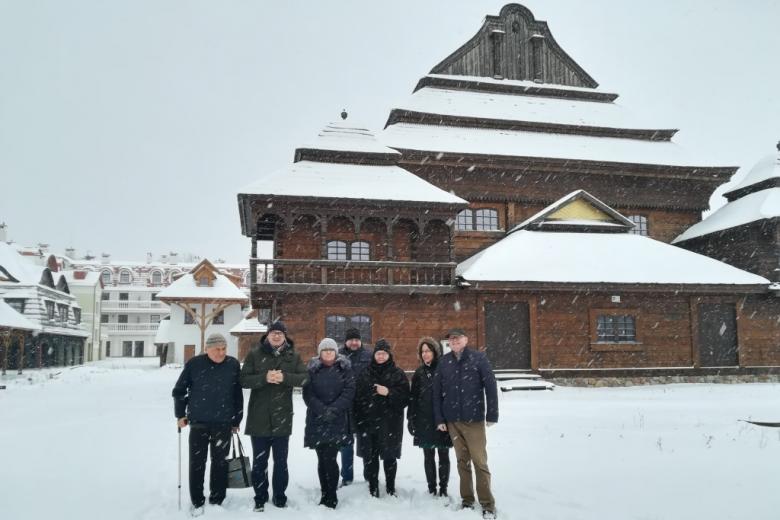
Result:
{"points": [[239, 468]]}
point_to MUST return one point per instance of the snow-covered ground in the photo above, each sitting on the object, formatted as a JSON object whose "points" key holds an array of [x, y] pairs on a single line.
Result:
{"points": [[99, 442]]}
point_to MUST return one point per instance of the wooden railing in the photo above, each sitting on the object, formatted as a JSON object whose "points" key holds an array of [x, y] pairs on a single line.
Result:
{"points": [[344, 272]]}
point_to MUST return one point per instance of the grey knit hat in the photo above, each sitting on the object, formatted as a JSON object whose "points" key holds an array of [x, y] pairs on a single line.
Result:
{"points": [[327, 344], [215, 339]]}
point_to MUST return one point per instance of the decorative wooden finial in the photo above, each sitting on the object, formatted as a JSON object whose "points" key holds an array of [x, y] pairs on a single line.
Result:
{"points": [[344, 114]]}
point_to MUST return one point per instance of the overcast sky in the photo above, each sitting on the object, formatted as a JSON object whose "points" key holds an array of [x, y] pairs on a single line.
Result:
{"points": [[129, 127]]}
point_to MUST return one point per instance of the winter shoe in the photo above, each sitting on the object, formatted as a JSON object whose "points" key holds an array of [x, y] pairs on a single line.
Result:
{"points": [[467, 505], [432, 491], [345, 483], [374, 491], [279, 502], [259, 508], [197, 511], [443, 492], [390, 491], [487, 514]]}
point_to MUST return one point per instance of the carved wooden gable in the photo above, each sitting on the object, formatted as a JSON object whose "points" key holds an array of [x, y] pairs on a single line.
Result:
{"points": [[514, 45]]}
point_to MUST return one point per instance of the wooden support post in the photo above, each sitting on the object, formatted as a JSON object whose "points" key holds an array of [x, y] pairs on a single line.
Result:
{"points": [[21, 352]]}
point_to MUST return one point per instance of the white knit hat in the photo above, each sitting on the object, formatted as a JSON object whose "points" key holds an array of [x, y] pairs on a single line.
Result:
{"points": [[327, 344]]}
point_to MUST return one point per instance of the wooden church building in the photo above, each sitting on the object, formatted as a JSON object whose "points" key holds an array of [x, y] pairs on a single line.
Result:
{"points": [[512, 197]]}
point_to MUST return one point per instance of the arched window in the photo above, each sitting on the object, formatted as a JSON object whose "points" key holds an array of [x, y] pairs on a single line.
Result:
{"points": [[359, 251], [337, 250], [157, 278], [465, 220], [640, 224], [486, 220], [125, 276], [106, 277]]}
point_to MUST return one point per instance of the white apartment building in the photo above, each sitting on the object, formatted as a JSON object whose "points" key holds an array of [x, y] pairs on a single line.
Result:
{"points": [[130, 312]]}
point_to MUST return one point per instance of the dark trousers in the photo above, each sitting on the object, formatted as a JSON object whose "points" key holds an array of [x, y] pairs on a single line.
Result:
{"points": [[261, 449], [328, 471], [218, 438], [430, 468], [348, 462], [372, 469]]}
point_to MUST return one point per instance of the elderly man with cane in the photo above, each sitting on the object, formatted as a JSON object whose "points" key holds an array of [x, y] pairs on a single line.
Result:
{"points": [[208, 398]]}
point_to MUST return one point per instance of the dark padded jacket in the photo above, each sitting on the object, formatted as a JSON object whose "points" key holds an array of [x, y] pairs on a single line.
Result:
{"points": [[209, 393]]}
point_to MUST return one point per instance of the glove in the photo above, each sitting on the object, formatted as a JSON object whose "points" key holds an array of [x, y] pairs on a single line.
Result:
{"points": [[410, 427]]}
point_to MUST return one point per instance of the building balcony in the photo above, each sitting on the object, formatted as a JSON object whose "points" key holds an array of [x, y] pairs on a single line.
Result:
{"points": [[318, 275], [150, 306], [131, 328]]}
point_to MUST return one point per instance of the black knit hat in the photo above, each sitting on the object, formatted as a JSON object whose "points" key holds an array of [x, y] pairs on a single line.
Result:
{"points": [[278, 325], [351, 334], [383, 344]]}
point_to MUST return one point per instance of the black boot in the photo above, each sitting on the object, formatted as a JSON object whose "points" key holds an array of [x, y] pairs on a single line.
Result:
{"points": [[430, 469], [443, 491]]}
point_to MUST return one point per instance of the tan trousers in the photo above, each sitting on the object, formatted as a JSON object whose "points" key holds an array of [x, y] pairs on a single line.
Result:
{"points": [[470, 443]]}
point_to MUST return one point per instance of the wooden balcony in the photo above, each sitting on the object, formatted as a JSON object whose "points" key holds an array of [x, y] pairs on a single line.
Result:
{"points": [[316, 275]]}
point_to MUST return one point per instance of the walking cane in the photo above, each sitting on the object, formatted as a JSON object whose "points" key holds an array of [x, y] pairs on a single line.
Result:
{"points": [[179, 428]]}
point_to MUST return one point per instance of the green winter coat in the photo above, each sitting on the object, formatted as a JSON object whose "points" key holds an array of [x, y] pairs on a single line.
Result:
{"points": [[270, 411]]}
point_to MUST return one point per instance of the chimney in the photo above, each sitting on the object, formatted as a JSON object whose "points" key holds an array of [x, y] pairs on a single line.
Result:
{"points": [[105, 258], [43, 247], [79, 275], [3, 232], [149, 258], [173, 257], [70, 253]]}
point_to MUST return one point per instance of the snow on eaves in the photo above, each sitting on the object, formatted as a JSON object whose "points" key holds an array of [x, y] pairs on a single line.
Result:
{"points": [[767, 168], [249, 325], [620, 258], [349, 181], [759, 205], [10, 318], [348, 137], [514, 107], [515, 143], [186, 288], [515, 83]]}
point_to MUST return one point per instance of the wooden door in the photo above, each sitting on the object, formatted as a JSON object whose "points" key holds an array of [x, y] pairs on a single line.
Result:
{"points": [[508, 335], [718, 345], [189, 352]]}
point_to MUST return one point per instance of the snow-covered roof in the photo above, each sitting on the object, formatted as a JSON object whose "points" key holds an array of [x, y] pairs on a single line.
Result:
{"points": [[513, 107], [346, 136], [515, 82], [620, 258], [249, 325], [18, 267], [767, 168], [759, 205], [163, 334], [186, 288], [515, 143], [349, 181], [10, 318], [89, 278]]}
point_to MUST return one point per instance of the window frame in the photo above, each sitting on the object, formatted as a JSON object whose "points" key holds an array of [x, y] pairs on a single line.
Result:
{"points": [[473, 219], [362, 322], [122, 274], [600, 344], [642, 225], [348, 250]]}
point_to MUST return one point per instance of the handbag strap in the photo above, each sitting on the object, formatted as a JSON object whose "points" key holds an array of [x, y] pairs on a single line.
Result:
{"points": [[240, 446]]}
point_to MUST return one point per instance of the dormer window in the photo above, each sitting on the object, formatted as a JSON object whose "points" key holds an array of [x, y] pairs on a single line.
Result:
{"points": [[125, 277], [157, 278], [106, 277], [204, 281]]}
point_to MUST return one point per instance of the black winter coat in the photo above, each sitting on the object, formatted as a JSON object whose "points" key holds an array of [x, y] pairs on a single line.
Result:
{"points": [[420, 414], [209, 393], [359, 360], [381, 417], [328, 394]]}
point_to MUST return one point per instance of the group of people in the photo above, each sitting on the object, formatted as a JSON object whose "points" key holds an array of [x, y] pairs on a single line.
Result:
{"points": [[355, 401]]}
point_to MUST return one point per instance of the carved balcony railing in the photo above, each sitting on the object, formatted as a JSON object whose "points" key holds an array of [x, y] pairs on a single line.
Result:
{"points": [[379, 274]]}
